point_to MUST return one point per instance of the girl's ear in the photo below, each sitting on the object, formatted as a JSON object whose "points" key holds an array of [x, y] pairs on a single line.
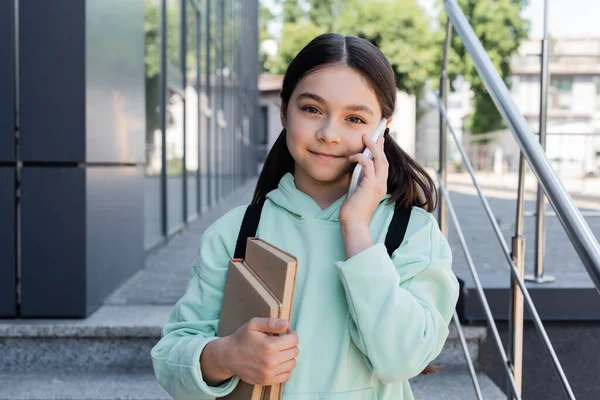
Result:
{"points": [[389, 121]]}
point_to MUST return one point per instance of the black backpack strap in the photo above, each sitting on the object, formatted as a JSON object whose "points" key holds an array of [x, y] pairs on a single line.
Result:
{"points": [[397, 229], [248, 229]]}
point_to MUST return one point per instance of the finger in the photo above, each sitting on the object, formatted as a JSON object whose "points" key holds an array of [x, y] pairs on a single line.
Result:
{"points": [[287, 355], [283, 342], [287, 366], [379, 158], [268, 325], [281, 378], [366, 162]]}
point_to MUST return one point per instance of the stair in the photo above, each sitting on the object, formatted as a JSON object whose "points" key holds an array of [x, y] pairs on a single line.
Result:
{"points": [[107, 356], [80, 386]]}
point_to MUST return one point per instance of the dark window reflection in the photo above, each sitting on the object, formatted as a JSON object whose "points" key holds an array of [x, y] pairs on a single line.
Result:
{"points": [[152, 186]]}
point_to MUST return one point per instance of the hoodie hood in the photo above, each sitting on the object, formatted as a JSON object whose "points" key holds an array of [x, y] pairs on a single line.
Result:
{"points": [[301, 205]]}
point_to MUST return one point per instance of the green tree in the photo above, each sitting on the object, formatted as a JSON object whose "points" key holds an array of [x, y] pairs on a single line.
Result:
{"points": [[501, 29], [401, 29], [324, 13], [294, 36], [292, 12]]}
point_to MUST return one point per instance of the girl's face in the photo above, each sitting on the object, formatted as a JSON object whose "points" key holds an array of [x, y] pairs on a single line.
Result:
{"points": [[328, 113]]}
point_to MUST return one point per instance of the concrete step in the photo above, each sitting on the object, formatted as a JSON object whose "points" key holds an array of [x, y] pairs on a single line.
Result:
{"points": [[114, 339], [447, 385], [80, 386], [454, 384], [119, 339]]}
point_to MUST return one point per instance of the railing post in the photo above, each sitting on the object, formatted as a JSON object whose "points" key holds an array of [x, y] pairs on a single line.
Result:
{"points": [[443, 167], [515, 313], [540, 216]]}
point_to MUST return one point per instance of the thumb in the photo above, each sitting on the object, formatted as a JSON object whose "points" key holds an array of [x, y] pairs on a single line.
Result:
{"points": [[268, 325]]}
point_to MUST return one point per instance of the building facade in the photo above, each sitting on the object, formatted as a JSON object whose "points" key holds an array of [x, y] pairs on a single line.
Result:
{"points": [[120, 123], [573, 125]]}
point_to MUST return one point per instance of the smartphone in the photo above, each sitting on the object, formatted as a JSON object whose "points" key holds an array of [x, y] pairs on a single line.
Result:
{"points": [[359, 172]]}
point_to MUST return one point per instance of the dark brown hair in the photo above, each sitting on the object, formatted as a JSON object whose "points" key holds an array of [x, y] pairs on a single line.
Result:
{"points": [[408, 183]]}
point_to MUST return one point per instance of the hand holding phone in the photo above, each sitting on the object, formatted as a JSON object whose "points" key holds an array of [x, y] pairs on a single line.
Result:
{"points": [[359, 172]]}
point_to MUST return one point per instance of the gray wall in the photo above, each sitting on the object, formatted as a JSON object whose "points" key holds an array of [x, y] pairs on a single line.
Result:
{"points": [[114, 71], [7, 243], [7, 158], [83, 123], [577, 345], [7, 148], [52, 80], [80, 164]]}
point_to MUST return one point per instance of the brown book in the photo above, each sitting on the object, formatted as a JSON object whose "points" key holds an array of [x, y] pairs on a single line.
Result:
{"points": [[277, 270], [245, 297]]}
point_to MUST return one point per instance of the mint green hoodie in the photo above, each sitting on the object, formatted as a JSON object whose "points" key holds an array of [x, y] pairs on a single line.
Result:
{"points": [[366, 325]]}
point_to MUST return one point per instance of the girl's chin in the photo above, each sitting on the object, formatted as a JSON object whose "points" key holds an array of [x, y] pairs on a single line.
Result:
{"points": [[329, 177]]}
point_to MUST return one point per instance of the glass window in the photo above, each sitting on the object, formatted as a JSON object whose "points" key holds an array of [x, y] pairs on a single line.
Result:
{"points": [[174, 32], [560, 92], [204, 107], [191, 111], [215, 100], [153, 231], [174, 155], [226, 73], [562, 83]]}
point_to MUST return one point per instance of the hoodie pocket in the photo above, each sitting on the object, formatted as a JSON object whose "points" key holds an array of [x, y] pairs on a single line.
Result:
{"points": [[361, 394]]}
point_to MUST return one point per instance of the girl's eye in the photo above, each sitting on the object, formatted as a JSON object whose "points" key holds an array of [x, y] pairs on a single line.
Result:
{"points": [[311, 109], [356, 120]]}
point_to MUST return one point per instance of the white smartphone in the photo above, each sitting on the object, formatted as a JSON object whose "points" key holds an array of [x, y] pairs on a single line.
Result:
{"points": [[359, 172]]}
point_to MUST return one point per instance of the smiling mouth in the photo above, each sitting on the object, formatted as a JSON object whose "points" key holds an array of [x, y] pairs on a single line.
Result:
{"points": [[325, 156]]}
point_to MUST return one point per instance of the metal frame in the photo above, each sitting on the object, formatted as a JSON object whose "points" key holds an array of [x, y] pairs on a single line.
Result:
{"points": [[540, 215], [222, 147], [571, 218], [516, 276]]}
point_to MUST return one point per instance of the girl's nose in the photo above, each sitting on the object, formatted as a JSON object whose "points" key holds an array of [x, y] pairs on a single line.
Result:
{"points": [[329, 132]]}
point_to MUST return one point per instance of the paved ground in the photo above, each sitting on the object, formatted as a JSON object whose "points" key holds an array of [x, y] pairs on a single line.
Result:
{"points": [[167, 270], [165, 277]]}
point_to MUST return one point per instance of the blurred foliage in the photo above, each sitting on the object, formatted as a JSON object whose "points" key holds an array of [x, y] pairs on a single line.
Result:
{"points": [[501, 29], [399, 28], [410, 40]]}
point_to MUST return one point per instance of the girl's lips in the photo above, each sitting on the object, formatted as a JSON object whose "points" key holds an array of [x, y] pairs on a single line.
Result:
{"points": [[325, 156]]}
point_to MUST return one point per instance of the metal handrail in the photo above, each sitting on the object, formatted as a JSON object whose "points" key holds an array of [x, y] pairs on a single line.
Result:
{"points": [[463, 343], [513, 268], [575, 225], [479, 288]]}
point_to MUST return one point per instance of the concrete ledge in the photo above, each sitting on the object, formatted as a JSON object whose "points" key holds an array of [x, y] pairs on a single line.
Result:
{"points": [[69, 386], [454, 384], [572, 297], [470, 332], [108, 321]]}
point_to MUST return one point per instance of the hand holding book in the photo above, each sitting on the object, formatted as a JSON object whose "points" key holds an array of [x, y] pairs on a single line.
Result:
{"points": [[260, 358]]}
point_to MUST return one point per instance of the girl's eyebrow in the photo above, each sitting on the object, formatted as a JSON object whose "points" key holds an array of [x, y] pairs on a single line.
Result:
{"points": [[319, 99]]}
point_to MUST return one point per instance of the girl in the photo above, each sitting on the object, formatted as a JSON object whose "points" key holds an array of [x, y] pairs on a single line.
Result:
{"points": [[365, 321]]}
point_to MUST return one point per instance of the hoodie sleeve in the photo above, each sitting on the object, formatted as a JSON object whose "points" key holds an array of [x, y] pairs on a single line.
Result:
{"points": [[400, 307], [194, 319]]}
